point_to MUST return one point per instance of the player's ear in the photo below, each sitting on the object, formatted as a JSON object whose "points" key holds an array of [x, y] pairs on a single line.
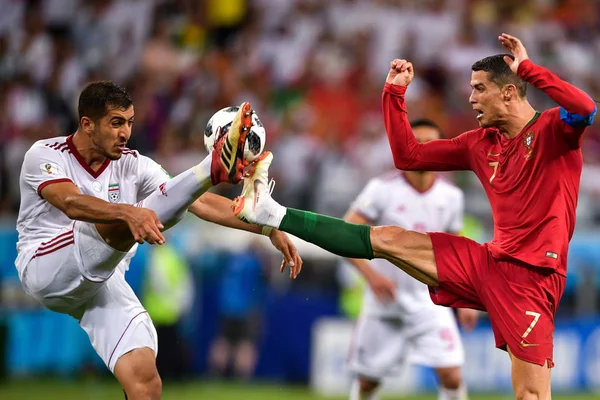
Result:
{"points": [[87, 124], [509, 92]]}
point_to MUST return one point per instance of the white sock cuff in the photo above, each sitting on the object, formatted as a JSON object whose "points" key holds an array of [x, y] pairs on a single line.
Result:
{"points": [[276, 216], [459, 393], [202, 171]]}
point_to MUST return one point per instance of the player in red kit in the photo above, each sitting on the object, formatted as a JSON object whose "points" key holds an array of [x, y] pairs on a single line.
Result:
{"points": [[529, 164]]}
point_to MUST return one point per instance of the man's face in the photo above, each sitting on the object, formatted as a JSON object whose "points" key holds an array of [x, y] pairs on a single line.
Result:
{"points": [[487, 99], [111, 132], [425, 134]]}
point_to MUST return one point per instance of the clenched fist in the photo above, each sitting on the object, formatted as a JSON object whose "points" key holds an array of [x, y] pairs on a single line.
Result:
{"points": [[401, 73]]}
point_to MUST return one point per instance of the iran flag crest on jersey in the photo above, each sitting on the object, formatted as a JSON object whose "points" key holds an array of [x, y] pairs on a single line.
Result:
{"points": [[113, 192]]}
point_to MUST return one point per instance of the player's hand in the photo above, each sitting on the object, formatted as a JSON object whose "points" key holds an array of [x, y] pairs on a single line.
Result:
{"points": [[517, 49], [401, 73], [145, 225], [383, 288], [467, 318], [282, 242]]}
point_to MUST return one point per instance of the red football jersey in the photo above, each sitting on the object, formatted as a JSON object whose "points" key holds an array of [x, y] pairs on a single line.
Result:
{"points": [[532, 180]]}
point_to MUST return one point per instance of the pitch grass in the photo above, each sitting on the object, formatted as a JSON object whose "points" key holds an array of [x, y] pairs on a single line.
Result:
{"points": [[108, 390]]}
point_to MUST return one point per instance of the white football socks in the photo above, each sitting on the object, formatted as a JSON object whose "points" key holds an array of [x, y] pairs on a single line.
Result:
{"points": [[172, 199], [453, 394], [268, 211], [444, 394], [272, 214]]}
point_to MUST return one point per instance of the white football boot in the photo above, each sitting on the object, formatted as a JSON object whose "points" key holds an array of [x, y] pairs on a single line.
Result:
{"points": [[255, 205]]}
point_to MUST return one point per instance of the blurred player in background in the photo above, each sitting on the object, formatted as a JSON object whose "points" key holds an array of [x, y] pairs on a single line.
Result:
{"points": [[243, 289], [86, 199], [529, 164], [398, 320]]}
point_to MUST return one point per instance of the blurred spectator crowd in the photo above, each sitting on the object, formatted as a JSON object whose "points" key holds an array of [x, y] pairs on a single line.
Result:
{"points": [[312, 69]]}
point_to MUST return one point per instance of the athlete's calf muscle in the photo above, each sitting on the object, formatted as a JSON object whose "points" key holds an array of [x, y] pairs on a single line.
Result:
{"points": [[409, 250]]}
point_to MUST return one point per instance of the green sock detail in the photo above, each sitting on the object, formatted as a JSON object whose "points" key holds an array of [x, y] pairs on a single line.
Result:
{"points": [[332, 234]]}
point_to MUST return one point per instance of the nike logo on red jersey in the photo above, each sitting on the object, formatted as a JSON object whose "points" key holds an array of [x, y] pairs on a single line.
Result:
{"points": [[523, 344]]}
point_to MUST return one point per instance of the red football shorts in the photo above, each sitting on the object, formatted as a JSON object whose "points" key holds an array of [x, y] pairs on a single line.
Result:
{"points": [[521, 299]]}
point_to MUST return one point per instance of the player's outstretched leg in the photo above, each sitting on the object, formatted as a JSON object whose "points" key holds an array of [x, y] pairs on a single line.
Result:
{"points": [[411, 251], [172, 199]]}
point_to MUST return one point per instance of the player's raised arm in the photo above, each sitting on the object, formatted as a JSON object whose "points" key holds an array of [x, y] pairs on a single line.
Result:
{"points": [[577, 107], [409, 154]]}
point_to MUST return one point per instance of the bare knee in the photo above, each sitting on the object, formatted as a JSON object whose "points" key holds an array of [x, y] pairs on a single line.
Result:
{"points": [[450, 378], [146, 388], [367, 386], [137, 373], [528, 394], [118, 236], [530, 390]]}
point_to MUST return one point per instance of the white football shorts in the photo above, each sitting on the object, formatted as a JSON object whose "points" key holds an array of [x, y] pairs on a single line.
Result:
{"points": [[381, 344], [77, 273]]}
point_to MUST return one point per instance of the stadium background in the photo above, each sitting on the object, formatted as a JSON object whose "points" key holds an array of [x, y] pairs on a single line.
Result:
{"points": [[313, 70]]}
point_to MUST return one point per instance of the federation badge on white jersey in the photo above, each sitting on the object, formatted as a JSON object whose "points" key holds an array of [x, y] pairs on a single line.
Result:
{"points": [[113, 192]]}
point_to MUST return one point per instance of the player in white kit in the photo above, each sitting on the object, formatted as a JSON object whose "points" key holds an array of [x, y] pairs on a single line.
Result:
{"points": [[86, 200], [398, 321]]}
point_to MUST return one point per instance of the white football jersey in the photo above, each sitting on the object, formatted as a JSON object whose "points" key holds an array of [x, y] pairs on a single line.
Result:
{"points": [[392, 200], [127, 180]]}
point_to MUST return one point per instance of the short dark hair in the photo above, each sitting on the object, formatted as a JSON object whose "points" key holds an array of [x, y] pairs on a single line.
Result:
{"points": [[98, 97], [500, 73], [426, 122]]}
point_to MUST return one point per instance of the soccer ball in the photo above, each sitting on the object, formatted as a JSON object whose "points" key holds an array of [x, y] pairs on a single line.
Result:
{"points": [[220, 123]]}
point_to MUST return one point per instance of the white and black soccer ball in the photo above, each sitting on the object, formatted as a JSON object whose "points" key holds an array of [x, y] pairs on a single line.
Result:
{"points": [[220, 123]]}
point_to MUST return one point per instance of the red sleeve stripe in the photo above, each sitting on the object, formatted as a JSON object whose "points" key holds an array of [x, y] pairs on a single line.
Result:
{"points": [[57, 145], [50, 182], [70, 241]]}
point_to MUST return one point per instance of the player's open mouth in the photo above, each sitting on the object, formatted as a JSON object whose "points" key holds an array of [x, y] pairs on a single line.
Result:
{"points": [[121, 147], [479, 114]]}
